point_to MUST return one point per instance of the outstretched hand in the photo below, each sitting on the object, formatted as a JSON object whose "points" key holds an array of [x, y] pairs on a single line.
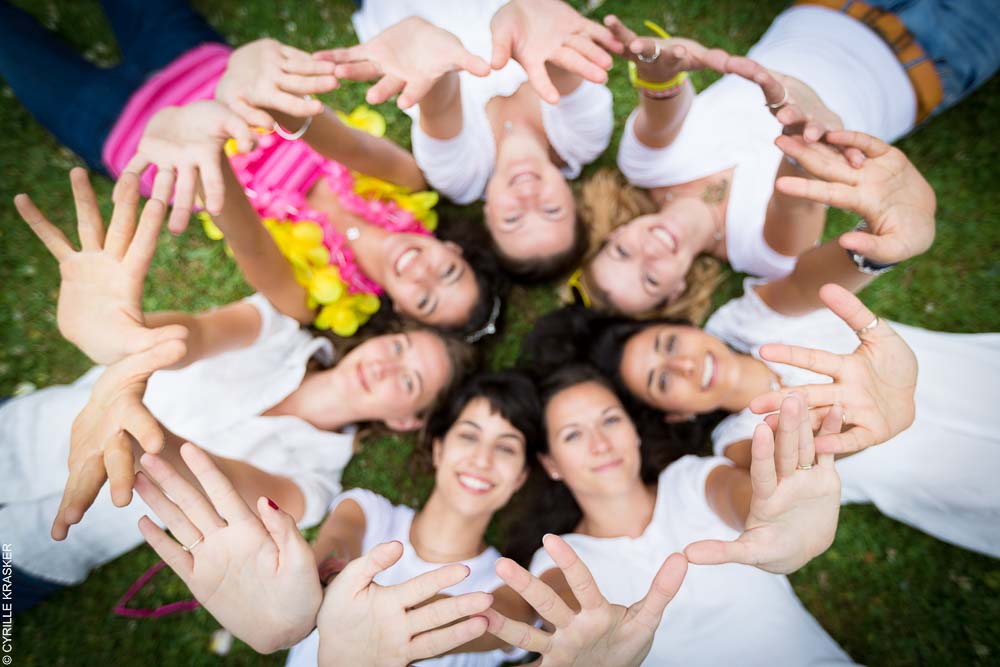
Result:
{"points": [[185, 144], [600, 633], [677, 54], [100, 293], [363, 623], [874, 385], [536, 32], [896, 202], [268, 75], [795, 504], [400, 59], [101, 439], [254, 573]]}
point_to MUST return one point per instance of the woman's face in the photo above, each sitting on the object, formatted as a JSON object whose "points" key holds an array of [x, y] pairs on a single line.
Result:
{"points": [[429, 280], [480, 463], [529, 210], [678, 369], [643, 263], [593, 445], [393, 378]]}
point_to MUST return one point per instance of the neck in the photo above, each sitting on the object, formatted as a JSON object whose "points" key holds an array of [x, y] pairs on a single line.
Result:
{"points": [[319, 401], [441, 535], [626, 515], [754, 379], [698, 218], [367, 246]]}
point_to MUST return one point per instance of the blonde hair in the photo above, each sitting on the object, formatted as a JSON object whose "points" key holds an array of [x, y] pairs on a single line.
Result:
{"points": [[606, 202]]}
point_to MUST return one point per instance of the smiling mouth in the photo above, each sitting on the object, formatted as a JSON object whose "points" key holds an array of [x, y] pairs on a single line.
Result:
{"points": [[523, 177], [664, 236], [404, 259], [361, 378], [475, 485], [708, 371], [610, 465]]}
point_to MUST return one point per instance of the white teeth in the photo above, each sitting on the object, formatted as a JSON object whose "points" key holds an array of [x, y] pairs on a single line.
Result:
{"points": [[707, 369], [475, 483], [522, 178], [666, 237], [405, 259]]}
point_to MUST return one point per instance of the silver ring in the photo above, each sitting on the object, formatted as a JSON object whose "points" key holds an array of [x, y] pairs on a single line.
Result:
{"points": [[865, 329], [778, 105], [652, 58], [191, 546], [805, 467]]}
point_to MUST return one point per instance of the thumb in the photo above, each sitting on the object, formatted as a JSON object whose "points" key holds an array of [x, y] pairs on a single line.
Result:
{"points": [[360, 572], [475, 65], [146, 339], [503, 44], [717, 552], [666, 583]]}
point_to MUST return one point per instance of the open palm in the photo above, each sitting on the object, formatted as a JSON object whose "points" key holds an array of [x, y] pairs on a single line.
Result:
{"points": [[256, 575]]}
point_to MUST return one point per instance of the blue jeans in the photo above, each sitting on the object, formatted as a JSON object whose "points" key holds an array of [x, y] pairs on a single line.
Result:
{"points": [[76, 100], [962, 37], [28, 590]]}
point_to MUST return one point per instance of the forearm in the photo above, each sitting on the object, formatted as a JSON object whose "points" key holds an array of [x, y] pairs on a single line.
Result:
{"points": [[212, 332], [259, 258], [659, 121], [565, 81], [441, 108], [356, 149], [728, 491], [792, 224]]}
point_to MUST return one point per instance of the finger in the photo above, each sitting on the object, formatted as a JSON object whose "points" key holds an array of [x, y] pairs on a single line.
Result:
{"points": [[361, 71], [189, 499], [870, 245], [540, 81], [831, 194], [473, 64], [140, 252], [649, 611], [828, 166], [786, 438], [169, 513], [517, 633], [187, 181], [82, 487], [90, 225], [138, 367], [832, 424], [308, 85], [763, 473], [807, 451], [254, 116], [603, 36], [503, 45], [47, 233], [579, 578], [362, 571], [867, 144], [420, 588], [237, 128], [347, 54], [817, 361], [137, 165], [774, 90], [283, 530], [815, 417], [413, 92], [119, 465], [385, 88], [535, 592], [302, 63], [848, 307], [293, 105], [144, 339], [122, 225], [718, 552], [620, 31], [163, 185], [228, 503], [643, 46], [446, 611], [814, 395], [855, 157], [573, 61], [852, 440], [166, 548], [212, 183], [441, 641], [591, 51]]}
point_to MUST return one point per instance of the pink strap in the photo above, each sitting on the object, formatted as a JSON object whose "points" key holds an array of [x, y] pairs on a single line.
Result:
{"points": [[172, 608]]}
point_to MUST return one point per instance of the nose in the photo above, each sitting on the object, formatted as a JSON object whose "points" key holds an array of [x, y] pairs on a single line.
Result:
{"points": [[379, 370], [681, 365], [600, 443], [526, 190], [484, 456]]}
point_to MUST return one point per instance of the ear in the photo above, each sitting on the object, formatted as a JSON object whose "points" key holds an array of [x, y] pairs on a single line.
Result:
{"points": [[454, 247], [402, 424], [436, 447], [678, 417], [550, 467]]}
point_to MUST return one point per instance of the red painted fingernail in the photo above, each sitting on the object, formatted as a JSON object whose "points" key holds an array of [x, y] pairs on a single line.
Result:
{"points": [[273, 504]]}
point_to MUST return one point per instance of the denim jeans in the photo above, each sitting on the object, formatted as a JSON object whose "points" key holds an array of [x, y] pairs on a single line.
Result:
{"points": [[76, 100], [962, 37]]}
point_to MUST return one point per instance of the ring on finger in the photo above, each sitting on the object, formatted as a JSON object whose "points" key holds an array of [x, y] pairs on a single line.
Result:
{"points": [[808, 466], [865, 329], [777, 105], [189, 547], [649, 59]]}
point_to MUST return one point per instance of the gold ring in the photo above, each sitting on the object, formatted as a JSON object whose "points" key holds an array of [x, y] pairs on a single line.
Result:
{"points": [[808, 466], [865, 329], [191, 546]]}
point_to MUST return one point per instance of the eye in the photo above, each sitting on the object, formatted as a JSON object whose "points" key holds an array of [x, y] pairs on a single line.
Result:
{"points": [[651, 281], [671, 342], [450, 271], [409, 384], [424, 301], [397, 347], [620, 251], [468, 437], [611, 420], [506, 449], [661, 382], [511, 219], [552, 211], [572, 436]]}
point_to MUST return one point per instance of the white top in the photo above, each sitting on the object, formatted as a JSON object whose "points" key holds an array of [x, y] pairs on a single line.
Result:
{"points": [[722, 614], [215, 403], [939, 475], [848, 65], [578, 127], [385, 522]]}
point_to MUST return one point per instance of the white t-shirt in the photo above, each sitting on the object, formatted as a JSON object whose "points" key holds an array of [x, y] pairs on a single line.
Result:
{"points": [[385, 522], [214, 403], [939, 475], [578, 127], [848, 65], [723, 614]]}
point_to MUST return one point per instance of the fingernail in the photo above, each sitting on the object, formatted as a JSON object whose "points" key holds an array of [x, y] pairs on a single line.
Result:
{"points": [[273, 504]]}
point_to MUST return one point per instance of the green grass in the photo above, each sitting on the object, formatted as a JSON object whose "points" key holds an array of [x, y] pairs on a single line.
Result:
{"points": [[888, 594]]}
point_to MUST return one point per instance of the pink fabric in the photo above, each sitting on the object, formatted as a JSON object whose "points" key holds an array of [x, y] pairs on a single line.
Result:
{"points": [[122, 609], [277, 175]]}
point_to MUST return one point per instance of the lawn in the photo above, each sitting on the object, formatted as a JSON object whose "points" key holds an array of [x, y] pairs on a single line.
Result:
{"points": [[888, 594]]}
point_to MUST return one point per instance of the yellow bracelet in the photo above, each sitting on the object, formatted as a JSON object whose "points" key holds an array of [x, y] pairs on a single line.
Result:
{"points": [[633, 72]]}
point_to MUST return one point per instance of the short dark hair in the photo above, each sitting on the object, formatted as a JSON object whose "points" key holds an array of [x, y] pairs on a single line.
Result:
{"points": [[533, 270]]}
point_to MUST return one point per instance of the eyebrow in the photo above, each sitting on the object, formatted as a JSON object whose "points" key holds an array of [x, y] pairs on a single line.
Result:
{"points": [[471, 423]]}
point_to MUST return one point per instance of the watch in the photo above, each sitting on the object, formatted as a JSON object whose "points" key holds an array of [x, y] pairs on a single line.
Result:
{"points": [[864, 264]]}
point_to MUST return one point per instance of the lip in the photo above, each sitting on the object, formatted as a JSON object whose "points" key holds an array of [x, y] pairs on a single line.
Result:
{"points": [[713, 374], [405, 259], [524, 176], [474, 490], [361, 378], [610, 465], [664, 237]]}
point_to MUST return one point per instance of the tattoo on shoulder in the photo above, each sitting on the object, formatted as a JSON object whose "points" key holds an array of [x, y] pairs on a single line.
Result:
{"points": [[715, 193]]}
